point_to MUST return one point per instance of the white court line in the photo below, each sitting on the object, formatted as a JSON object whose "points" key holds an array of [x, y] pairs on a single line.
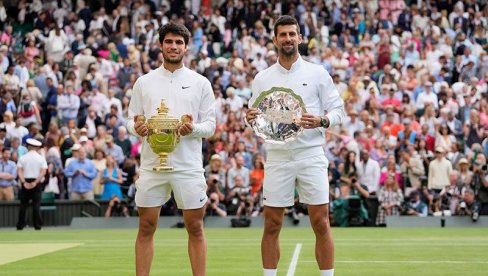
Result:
{"points": [[294, 260], [404, 262]]}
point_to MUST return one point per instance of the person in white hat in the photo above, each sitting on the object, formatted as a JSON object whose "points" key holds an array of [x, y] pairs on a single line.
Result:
{"points": [[31, 169], [286, 168]]}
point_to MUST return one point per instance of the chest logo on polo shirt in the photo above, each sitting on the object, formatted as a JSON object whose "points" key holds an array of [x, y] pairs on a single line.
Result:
{"points": [[304, 84], [185, 87]]}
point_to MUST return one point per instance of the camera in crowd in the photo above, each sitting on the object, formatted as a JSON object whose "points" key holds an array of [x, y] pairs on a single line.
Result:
{"points": [[243, 192]]}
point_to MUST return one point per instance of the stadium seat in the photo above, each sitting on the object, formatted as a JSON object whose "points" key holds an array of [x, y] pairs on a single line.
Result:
{"points": [[47, 205]]}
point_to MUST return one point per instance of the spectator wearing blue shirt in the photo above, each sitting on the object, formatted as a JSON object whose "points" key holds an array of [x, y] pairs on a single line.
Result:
{"points": [[114, 150], [408, 131], [8, 174], [82, 171], [17, 148]]}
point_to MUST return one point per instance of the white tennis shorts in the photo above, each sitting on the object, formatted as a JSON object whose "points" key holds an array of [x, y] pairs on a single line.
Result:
{"points": [[154, 189], [305, 169]]}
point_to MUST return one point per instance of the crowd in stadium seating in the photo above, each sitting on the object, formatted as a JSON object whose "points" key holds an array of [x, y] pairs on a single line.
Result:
{"points": [[413, 75]]}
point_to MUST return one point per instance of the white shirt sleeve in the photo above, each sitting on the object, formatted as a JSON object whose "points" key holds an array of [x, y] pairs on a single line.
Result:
{"points": [[330, 100], [135, 108], [204, 125]]}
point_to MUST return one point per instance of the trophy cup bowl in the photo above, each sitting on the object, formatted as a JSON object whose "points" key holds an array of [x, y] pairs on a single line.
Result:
{"points": [[163, 135]]}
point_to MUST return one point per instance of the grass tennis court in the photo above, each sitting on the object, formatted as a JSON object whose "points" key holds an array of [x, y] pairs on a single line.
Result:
{"points": [[359, 251]]}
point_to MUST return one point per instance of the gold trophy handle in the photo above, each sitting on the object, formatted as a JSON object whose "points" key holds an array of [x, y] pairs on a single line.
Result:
{"points": [[140, 118], [184, 119]]}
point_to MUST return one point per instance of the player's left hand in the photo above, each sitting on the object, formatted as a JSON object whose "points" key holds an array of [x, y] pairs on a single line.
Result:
{"points": [[186, 126], [309, 121]]}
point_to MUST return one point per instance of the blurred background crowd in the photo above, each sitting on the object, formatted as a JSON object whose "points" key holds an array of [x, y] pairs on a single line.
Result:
{"points": [[413, 75]]}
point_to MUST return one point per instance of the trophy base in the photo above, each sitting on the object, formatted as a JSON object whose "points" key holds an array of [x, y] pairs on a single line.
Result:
{"points": [[163, 163], [163, 169]]}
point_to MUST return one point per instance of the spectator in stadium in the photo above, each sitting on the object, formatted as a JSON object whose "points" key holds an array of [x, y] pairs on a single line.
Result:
{"points": [[18, 131], [123, 141], [238, 169], [285, 168], [439, 170], [390, 197], [8, 121], [68, 105], [17, 149], [111, 179], [214, 207], [3, 136], [369, 173], [82, 171], [199, 108], [31, 169], [8, 174], [468, 206], [411, 169], [117, 208], [452, 195], [215, 168], [114, 150], [256, 176]]}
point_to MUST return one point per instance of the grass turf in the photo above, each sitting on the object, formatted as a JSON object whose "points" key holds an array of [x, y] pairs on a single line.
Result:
{"points": [[359, 251]]}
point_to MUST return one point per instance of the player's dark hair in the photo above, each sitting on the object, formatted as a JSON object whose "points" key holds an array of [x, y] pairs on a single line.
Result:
{"points": [[286, 20], [176, 29]]}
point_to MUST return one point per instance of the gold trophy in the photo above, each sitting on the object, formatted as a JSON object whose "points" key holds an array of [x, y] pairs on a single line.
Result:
{"points": [[163, 134]]}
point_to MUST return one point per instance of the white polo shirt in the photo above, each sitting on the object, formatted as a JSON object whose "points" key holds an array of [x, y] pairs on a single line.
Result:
{"points": [[314, 84], [32, 163], [185, 92]]}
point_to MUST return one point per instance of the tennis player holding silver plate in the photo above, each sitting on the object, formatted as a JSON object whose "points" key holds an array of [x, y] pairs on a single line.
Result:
{"points": [[293, 103]]}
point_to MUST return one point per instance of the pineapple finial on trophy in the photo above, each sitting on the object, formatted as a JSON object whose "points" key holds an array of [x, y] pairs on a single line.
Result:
{"points": [[163, 108]]}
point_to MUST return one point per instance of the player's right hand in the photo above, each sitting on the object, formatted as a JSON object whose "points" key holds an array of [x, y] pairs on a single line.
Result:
{"points": [[141, 127], [251, 115]]}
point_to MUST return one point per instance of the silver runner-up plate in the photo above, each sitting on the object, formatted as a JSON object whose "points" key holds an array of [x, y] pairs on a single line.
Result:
{"points": [[279, 114]]}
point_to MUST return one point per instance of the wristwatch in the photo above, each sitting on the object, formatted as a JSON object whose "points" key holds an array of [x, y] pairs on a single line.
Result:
{"points": [[324, 123]]}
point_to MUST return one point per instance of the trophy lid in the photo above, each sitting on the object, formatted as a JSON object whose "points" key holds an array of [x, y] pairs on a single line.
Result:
{"points": [[163, 115]]}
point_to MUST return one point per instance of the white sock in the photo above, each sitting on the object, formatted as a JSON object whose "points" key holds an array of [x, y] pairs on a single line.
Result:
{"points": [[328, 272], [270, 272]]}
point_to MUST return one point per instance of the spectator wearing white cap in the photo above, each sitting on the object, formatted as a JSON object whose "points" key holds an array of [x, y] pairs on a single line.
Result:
{"points": [[87, 145], [31, 169]]}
